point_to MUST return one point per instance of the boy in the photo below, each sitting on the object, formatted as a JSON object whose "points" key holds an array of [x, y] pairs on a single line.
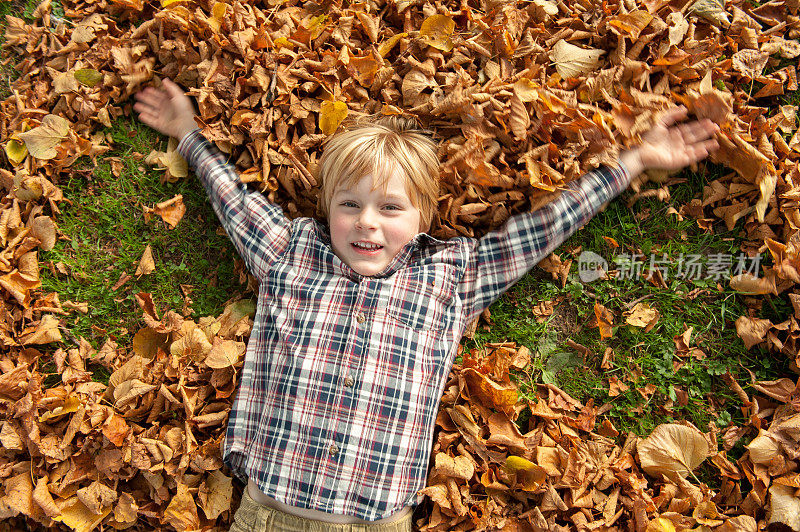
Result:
{"points": [[357, 323]]}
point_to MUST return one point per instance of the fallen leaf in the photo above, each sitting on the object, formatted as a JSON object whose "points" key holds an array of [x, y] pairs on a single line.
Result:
{"points": [[783, 507], [437, 30], [181, 512], [88, 76], [171, 211], [642, 315], [215, 494], [572, 61], [331, 115], [41, 141], [224, 354], [146, 263], [672, 450], [711, 10], [78, 517], [16, 151]]}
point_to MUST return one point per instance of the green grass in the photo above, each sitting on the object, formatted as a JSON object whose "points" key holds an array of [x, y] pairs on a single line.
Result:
{"points": [[641, 358], [106, 234]]}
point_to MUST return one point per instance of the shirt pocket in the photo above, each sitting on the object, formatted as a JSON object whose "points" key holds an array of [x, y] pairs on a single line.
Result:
{"points": [[421, 300]]}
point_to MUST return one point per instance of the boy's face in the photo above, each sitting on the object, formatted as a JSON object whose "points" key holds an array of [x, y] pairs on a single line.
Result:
{"points": [[370, 226]]}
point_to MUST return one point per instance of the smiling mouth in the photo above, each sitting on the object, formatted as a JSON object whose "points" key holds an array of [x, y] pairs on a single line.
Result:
{"points": [[363, 247]]}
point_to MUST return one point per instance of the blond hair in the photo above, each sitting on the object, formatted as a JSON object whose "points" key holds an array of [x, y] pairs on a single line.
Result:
{"points": [[378, 147]]}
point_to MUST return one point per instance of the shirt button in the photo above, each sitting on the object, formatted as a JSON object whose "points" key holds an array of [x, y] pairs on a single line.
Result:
{"points": [[348, 381], [360, 318], [333, 449]]}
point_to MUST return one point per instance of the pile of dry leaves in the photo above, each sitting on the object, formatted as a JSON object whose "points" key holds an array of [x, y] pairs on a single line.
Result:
{"points": [[524, 97]]}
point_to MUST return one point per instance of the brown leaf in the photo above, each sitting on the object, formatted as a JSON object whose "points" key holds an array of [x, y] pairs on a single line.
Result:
{"points": [[171, 211], [215, 494], [604, 320], [146, 263], [750, 63], [572, 61], [181, 512], [672, 450], [494, 395], [752, 330]]}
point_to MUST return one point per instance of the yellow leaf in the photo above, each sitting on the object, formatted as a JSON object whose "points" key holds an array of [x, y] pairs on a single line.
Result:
{"points": [[217, 15], [42, 141], [147, 342], [387, 45], [316, 25], [71, 404], [331, 115], [515, 463], [78, 517], [528, 474], [167, 3], [437, 30], [16, 151], [219, 10], [661, 524], [88, 76], [283, 42]]}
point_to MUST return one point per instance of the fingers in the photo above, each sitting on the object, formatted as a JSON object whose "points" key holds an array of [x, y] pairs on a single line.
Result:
{"points": [[151, 97], [673, 115], [700, 151], [697, 131], [173, 89], [146, 116]]}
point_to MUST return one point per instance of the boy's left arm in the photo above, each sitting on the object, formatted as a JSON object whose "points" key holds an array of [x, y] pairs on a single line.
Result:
{"points": [[502, 257]]}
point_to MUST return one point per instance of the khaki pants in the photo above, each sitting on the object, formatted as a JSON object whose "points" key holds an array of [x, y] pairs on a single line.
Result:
{"points": [[254, 517]]}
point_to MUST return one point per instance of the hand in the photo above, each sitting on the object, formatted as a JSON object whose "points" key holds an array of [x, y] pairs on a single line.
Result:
{"points": [[167, 111], [670, 147]]}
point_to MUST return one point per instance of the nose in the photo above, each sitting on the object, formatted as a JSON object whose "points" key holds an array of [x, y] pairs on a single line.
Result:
{"points": [[367, 219]]}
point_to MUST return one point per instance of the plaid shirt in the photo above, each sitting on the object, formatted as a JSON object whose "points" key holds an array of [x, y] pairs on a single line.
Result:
{"points": [[343, 373]]}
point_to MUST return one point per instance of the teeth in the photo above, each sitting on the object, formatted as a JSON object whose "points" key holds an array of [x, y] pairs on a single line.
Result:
{"points": [[366, 246]]}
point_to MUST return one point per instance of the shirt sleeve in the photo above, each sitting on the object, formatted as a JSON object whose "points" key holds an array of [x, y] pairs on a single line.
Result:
{"points": [[259, 230], [502, 257]]}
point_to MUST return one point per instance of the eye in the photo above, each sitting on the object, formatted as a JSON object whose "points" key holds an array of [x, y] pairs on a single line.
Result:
{"points": [[393, 207], [348, 203]]}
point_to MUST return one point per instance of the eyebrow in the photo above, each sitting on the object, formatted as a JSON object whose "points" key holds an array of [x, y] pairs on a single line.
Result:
{"points": [[391, 197]]}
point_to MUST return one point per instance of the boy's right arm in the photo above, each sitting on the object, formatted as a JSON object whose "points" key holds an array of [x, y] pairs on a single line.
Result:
{"points": [[259, 230]]}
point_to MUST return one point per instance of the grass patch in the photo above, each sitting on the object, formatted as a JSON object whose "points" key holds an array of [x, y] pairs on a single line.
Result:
{"points": [[106, 235], [662, 386]]}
